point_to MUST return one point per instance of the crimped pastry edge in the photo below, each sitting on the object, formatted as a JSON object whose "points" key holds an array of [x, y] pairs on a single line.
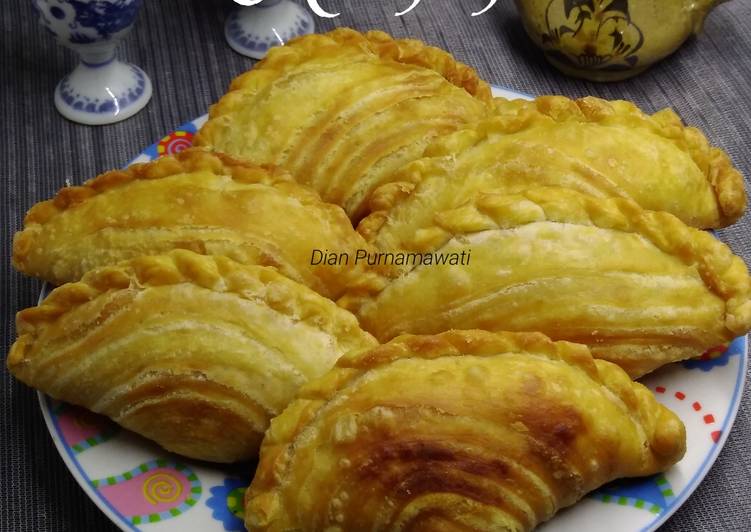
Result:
{"points": [[407, 51], [301, 49], [177, 267], [449, 343], [187, 161], [666, 439], [511, 116], [470, 342], [726, 181], [723, 272]]}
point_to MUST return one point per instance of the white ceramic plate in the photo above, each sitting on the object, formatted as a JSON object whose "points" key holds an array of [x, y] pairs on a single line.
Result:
{"points": [[141, 487]]}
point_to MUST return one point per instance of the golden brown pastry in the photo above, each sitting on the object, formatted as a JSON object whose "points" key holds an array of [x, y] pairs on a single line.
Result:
{"points": [[466, 430], [639, 287], [344, 110], [205, 202], [594, 146], [194, 352]]}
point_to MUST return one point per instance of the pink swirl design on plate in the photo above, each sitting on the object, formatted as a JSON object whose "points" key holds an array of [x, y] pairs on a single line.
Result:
{"points": [[151, 492], [175, 142]]}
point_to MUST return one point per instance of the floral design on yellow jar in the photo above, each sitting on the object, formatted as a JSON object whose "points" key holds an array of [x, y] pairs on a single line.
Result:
{"points": [[592, 34], [609, 40]]}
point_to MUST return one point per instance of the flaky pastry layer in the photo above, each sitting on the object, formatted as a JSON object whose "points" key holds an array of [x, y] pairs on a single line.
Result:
{"points": [[407, 51], [466, 429], [639, 287], [344, 110], [206, 202], [195, 352], [597, 147]]}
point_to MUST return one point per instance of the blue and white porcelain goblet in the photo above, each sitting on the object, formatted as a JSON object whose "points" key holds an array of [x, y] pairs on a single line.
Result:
{"points": [[262, 24], [102, 89]]}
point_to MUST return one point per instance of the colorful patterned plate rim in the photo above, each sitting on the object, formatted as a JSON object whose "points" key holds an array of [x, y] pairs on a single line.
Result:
{"points": [[141, 487]]}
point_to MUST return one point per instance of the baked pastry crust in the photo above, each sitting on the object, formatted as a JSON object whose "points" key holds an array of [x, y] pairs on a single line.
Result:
{"points": [[206, 202], [597, 147], [342, 111], [195, 352], [378, 43], [639, 287], [464, 430]]}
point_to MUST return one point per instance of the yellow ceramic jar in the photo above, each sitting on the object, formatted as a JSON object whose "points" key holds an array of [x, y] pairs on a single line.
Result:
{"points": [[610, 40]]}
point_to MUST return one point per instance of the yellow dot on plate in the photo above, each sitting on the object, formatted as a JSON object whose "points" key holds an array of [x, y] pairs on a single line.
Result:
{"points": [[231, 501]]}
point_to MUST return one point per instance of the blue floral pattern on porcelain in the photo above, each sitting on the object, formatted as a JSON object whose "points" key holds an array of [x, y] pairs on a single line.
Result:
{"points": [[87, 21], [256, 42], [82, 102], [253, 30], [101, 90]]}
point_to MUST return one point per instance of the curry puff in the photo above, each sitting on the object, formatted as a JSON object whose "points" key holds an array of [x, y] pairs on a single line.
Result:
{"points": [[600, 148], [205, 202], [466, 430], [195, 352], [639, 287], [344, 110]]}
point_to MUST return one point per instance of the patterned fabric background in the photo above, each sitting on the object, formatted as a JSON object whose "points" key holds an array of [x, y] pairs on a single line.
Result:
{"points": [[179, 43]]}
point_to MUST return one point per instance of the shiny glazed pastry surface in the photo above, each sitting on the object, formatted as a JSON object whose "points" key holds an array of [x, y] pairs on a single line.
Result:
{"points": [[639, 287], [597, 147], [205, 202], [466, 430], [195, 352], [342, 111]]}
